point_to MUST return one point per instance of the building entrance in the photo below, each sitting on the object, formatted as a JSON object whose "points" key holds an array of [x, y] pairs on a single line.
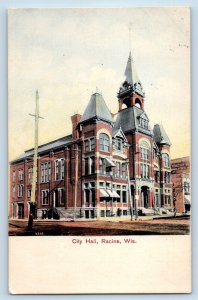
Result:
{"points": [[20, 210], [145, 196]]}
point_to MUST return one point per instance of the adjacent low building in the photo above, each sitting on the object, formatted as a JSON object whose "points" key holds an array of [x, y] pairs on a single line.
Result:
{"points": [[181, 183], [107, 167]]}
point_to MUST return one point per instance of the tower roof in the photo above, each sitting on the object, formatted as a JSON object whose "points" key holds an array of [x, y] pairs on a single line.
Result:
{"points": [[160, 135], [128, 120], [132, 82], [96, 108], [130, 72]]}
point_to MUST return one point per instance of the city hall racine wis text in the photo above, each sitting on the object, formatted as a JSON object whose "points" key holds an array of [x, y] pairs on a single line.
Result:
{"points": [[110, 166]]}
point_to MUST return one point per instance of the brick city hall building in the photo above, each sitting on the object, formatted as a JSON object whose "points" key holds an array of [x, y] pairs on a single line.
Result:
{"points": [[105, 168]]}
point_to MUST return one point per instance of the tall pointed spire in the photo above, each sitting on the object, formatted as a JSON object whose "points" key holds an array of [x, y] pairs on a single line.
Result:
{"points": [[131, 82], [130, 72]]}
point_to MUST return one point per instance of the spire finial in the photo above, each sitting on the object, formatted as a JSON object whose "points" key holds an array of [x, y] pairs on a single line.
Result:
{"points": [[130, 26]]}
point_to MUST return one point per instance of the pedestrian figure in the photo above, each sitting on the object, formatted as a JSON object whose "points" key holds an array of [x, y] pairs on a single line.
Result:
{"points": [[30, 221]]}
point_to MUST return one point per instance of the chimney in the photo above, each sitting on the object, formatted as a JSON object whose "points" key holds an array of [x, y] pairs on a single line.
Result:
{"points": [[75, 127]]}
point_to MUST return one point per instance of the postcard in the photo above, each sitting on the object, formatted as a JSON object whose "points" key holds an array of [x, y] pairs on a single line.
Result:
{"points": [[99, 150]]}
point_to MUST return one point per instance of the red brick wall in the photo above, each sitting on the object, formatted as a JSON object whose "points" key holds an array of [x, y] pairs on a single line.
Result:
{"points": [[180, 167]]}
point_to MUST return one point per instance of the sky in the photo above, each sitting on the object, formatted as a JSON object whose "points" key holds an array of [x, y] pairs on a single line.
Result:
{"points": [[69, 53]]}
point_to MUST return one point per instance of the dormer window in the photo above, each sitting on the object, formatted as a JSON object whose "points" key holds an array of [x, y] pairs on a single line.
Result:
{"points": [[143, 123], [118, 145]]}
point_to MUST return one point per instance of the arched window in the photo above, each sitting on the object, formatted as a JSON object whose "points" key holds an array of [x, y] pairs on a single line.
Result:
{"points": [[104, 142], [165, 158], [145, 150], [138, 103]]}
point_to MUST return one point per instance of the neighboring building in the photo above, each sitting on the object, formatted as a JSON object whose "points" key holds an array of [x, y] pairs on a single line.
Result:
{"points": [[87, 171], [181, 183]]}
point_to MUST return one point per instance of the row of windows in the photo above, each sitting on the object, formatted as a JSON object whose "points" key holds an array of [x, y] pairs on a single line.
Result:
{"points": [[104, 143], [143, 123], [58, 197], [45, 172], [144, 153], [90, 165], [90, 145], [20, 175], [167, 177], [122, 197], [145, 171], [119, 171]]}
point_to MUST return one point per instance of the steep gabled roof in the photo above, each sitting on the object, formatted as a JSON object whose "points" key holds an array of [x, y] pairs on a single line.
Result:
{"points": [[160, 135], [119, 134], [96, 108]]}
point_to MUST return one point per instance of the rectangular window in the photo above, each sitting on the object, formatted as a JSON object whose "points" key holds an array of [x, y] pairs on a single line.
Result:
{"points": [[46, 172], [124, 197], [102, 213], [145, 171], [93, 196], [118, 145], [30, 175], [56, 170], [49, 171], [20, 175], [86, 145], [108, 213], [124, 212], [124, 170], [144, 153], [167, 177], [45, 197], [143, 123], [42, 172], [20, 190], [86, 166], [102, 165], [92, 162], [117, 169], [62, 168], [186, 187], [168, 200], [62, 196], [92, 142], [87, 193], [118, 192]]}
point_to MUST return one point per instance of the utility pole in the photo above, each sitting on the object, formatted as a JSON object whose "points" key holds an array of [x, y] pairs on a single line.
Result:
{"points": [[34, 177]]}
